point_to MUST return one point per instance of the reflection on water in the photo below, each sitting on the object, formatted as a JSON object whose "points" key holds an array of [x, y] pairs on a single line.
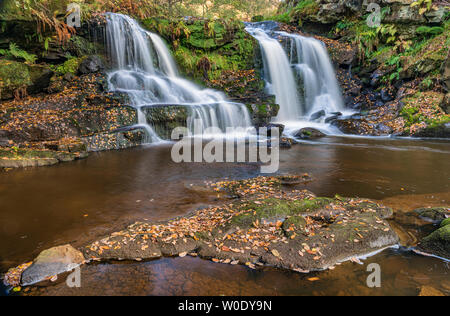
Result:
{"points": [[80, 201]]}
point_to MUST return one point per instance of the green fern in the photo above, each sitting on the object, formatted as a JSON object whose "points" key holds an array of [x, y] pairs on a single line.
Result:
{"points": [[17, 53]]}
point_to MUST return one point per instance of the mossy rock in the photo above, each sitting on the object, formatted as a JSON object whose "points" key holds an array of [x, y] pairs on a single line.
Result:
{"points": [[69, 66], [13, 75], [224, 45], [436, 214], [437, 243], [425, 108], [264, 112], [79, 47], [427, 58], [445, 222], [274, 209]]}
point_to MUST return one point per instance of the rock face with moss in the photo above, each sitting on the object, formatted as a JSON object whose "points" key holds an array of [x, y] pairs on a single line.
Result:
{"points": [[18, 79], [438, 242]]}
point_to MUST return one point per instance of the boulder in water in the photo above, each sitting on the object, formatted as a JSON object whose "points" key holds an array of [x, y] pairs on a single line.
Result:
{"points": [[317, 115], [52, 262], [308, 133], [286, 143], [271, 127], [437, 243], [435, 215], [331, 119]]}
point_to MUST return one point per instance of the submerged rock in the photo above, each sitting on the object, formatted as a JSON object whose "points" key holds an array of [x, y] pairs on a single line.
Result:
{"points": [[307, 133], [52, 262], [317, 115]]}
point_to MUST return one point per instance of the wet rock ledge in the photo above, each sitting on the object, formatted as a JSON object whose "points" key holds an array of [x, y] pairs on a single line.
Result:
{"points": [[264, 221]]}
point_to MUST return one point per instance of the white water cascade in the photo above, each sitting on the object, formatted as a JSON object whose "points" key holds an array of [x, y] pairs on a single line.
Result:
{"points": [[146, 71], [300, 75]]}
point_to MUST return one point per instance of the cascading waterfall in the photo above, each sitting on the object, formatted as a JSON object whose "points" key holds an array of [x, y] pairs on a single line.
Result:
{"points": [[321, 88], [279, 76], [300, 75], [147, 72]]}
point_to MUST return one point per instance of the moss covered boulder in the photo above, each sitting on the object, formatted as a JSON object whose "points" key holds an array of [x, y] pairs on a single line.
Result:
{"points": [[14, 78], [435, 214], [437, 243], [445, 222], [19, 79]]}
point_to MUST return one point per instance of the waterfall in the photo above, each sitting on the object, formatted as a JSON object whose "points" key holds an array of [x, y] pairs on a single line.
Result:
{"points": [[146, 71], [298, 71]]}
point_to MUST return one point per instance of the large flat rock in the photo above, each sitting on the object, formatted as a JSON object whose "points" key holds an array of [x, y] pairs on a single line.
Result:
{"points": [[52, 262], [265, 223]]}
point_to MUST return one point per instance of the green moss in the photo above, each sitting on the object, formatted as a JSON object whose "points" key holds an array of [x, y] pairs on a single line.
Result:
{"points": [[438, 242], [223, 44], [274, 209], [433, 117], [79, 46], [282, 18], [306, 7], [445, 222], [13, 75], [70, 66], [429, 31], [20, 153], [436, 214]]}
